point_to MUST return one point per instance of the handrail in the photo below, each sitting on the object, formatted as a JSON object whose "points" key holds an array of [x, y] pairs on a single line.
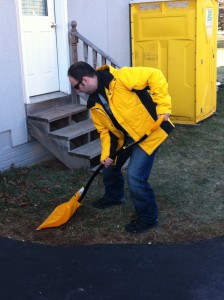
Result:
{"points": [[75, 36], [104, 56]]}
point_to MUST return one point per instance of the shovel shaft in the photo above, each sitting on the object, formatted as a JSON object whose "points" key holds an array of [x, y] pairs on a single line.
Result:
{"points": [[63, 212], [124, 148]]}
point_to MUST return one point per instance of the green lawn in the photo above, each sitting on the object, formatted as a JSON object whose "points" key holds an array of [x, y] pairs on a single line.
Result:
{"points": [[187, 180]]}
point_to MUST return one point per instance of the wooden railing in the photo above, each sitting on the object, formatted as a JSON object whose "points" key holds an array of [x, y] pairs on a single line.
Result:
{"points": [[88, 52], [94, 57]]}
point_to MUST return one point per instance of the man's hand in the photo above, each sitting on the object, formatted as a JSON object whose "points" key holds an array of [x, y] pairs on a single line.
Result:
{"points": [[166, 116], [107, 162]]}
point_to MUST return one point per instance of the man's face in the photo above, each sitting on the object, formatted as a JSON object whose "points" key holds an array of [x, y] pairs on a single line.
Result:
{"points": [[86, 85]]}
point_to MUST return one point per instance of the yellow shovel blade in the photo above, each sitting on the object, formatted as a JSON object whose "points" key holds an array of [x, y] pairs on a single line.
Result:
{"points": [[63, 212]]}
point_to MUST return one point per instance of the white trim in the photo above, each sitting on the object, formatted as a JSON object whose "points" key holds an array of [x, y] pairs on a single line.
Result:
{"points": [[23, 61], [61, 16]]}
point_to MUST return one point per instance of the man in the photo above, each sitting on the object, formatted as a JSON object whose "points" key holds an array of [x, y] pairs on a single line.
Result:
{"points": [[122, 110]]}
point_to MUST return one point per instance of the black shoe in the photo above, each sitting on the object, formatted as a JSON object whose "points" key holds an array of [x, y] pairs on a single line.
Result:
{"points": [[102, 203], [136, 226]]}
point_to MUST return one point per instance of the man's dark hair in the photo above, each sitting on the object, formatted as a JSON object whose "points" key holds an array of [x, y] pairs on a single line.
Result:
{"points": [[81, 69]]}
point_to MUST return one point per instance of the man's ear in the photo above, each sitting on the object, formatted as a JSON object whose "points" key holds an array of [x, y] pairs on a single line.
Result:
{"points": [[85, 79], [89, 80]]}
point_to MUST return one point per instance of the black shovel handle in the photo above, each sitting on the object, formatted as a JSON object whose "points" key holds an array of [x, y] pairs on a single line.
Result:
{"points": [[124, 148]]}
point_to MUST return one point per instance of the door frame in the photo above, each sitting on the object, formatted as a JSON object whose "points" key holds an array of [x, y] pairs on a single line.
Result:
{"points": [[61, 17]]}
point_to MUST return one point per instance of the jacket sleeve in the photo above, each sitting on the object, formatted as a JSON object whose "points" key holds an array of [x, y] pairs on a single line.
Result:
{"points": [[109, 141], [141, 77]]}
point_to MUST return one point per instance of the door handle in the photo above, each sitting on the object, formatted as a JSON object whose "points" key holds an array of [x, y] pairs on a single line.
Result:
{"points": [[53, 25]]}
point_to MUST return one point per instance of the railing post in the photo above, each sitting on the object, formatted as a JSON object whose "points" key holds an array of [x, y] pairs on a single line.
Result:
{"points": [[85, 51], [74, 55], [94, 58], [74, 42]]}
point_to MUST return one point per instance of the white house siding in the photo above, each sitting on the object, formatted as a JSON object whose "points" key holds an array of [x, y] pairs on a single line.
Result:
{"points": [[23, 155], [12, 112], [14, 148], [106, 24]]}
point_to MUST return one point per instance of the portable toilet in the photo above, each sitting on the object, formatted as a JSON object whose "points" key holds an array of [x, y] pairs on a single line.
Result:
{"points": [[180, 39]]}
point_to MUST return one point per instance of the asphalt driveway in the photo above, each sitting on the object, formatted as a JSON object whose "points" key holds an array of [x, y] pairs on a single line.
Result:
{"points": [[193, 271]]}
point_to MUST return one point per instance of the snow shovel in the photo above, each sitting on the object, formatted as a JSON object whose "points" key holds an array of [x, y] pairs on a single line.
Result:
{"points": [[63, 212]]}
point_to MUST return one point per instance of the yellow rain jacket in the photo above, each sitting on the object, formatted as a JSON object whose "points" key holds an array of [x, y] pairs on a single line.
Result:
{"points": [[128, 95]]}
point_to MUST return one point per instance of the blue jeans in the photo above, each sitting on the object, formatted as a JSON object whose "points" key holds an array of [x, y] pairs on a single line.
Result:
{"points": [[141, 192]]}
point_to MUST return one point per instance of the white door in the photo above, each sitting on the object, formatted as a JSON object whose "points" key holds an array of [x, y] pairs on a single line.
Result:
{"points": [[39, 45]]}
